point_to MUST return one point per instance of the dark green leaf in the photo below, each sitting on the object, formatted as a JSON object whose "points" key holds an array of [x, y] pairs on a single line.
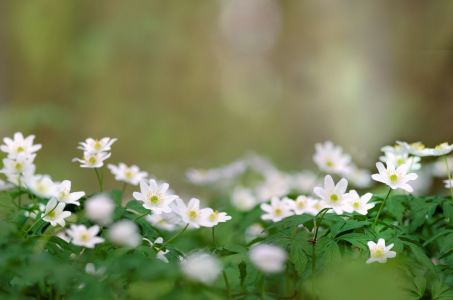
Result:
{"points": [[437, 236], [332, 255], [290, 221], [421, 256], [298, 256], [396, 208], [242, 272], [420, 284], [117, 196]]}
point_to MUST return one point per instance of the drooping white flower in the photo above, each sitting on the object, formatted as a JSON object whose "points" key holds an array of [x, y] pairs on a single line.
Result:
{"points": [[63, 193], [96, 146], [379, 252], [41, 185], [401, 159], [442, 149], [202, 177], [277, 210], [201, 267], [155, 198], [19, 145], [99, 208], [254, 231], [302, 205], [417, 149], [276, 184], [335, 196], [330, 158], [161, 253], [5, 185], [125, 233], [360, 178], [268, 258], [360, 204], [192, 214], [214, 217], [164, 221], [56, 216], [130, 175], [23, 163], [82, 236], [243, 199], [41, 208], [92, 159], [394, 178], [396, 150]]}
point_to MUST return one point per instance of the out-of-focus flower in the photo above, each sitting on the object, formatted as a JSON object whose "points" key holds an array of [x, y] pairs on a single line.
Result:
{"points": [[161, 253], [442, 149], [234, 169], [155, 198], [56, 216], [125, 233], [379, 252], [395, 150], [260, 164], [278, 210], [254, 231], [130, 175], [268, 258], [335, 196], [35, 212], [302, 205], [63, 193], [82, 236], [401, 159], [96, 146], [202, 177], [24, 176], [360, 178], [330, 158], [448, 183], [417, 149], [163, 221], [394, 178], [243, 199], [41, 185], [276, 184], [360, 204], [90, 269], [214, 217], [5, 185], [23, 163], [19, 145], [303, 182], [192, 214], [99, 208], [92, 159], [201, 267]]}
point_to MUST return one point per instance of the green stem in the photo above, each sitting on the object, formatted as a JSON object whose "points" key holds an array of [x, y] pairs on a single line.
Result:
{"points": [[287, 279], [32, 196], [99, 178], [412, 162], [213, 238], [142, 215], [223, 271], [163, 246], [124, 187], [313, 271], [449, 175], [40, 219], [102, 174], [382, 205], [20, 194], [263, 291]]}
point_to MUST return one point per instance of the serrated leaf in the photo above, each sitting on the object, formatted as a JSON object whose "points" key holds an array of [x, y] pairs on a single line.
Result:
{"points": [[438, 289], [332, 255], [234, 259], [396, 208], [355, 236], [118, 212], [437, 236], [357, 243], [282, 239], [354, 224], [290, 221], [321, 244], [117, 196], [447, 243], [298, 256], [335, 229], [398, 245], [448, 211], [420, 284], [242, 272], [421, 256]]}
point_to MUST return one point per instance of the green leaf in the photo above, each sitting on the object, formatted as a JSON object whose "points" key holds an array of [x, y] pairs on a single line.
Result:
{"points": [[332, 255], [321, 244], [396, 208], [355, 236], [420, 284], [234, 259], [357, 243], [297, 255], [438, 289], [437, 236], [421, 256], [137, 206], [448, 211], [290, 221], [282, 239], [236, 248], [398, 245], [353, 225], [242, 272], [447, 243], [335, 229], [117, 196], [117, 253], [118, 213]]}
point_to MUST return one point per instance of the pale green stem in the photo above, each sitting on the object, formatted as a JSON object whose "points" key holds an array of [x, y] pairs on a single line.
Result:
{"points": [[124, 187], [142, 215], [40, 219], [382, 205], [263, 291], [449, 175], [99, 178], [163, 246], [20, 194]]}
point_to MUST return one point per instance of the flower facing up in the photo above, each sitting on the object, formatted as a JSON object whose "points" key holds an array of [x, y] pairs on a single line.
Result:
{"points": [[394, 178], [83, 236], [360, 204], [99, 208], [19, 145], [41, 185], [214, 217], [302, 205], [268, 258], [161, 253], [442, 149], [243, 199], [155, 198], [92, 159], [201, 267], [401, 159], [379, 252], [277, 210], [417, 149], [335, 196], [125, 233], [62, 193], [192, 214], [330, 158], [130, 175], [23, 163], [97, 146], [56, 216], [202, 177]]}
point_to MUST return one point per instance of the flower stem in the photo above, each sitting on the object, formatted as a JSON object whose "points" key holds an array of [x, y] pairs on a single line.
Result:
{"points": [[20, 194], [25, 234], [213, 238], [163, 246], [99, 178], [263, 291], [449, 175], [124, 187], [313, 271], [382, 205], [142, 215], [223, 271]]}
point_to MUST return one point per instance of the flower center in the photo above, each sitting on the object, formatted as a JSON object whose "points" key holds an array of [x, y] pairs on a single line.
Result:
{"points": [[397, 147], [97, 145], [356, 204], [92, 160], [154, 199], [20, 149], [192, 214], [418, 147], [52, 214], [441, 146], [84, 237], [300, 204], [400, 161], [378, 251], [329, 163], [214, 216], [278, 211], [334, 197], [317, 206], [128, 174], [393, 178], [18, 167]]}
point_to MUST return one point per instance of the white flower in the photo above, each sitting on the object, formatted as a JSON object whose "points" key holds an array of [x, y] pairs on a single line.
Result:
{"points": [[278, 210], [360, 178], [442, 149], [260, 164], [56, 216], [62, 193], [201, 267], [448, 183], [417, 149], [41, 185], [394, 178], [330, 158], [396, 150], [379, 252], [268, 258], [19, 145], [5, 186], [254, 231], [24, 176], [62, 235], [232, 170], [360, 204], [243, 199], [81, 236], [92, 159], [303, 182], [202, 177], [163, 221], [155, 198], [99, 208], [303, 205], [130, 175], [23, 163], [276, 184], [125, 233], [161, 253], [35, 212], [192, 214], [320, 205], [214, 217], [335, 196], [90, 269], [401, 159], [96, 146]]}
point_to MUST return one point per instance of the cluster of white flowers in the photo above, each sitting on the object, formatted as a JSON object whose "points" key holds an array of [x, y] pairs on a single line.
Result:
{"points": [[131, 175], [94, 152]]}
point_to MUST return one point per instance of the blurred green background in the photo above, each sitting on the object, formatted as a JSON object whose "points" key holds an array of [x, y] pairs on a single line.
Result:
{"points": [[198, 83]]}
